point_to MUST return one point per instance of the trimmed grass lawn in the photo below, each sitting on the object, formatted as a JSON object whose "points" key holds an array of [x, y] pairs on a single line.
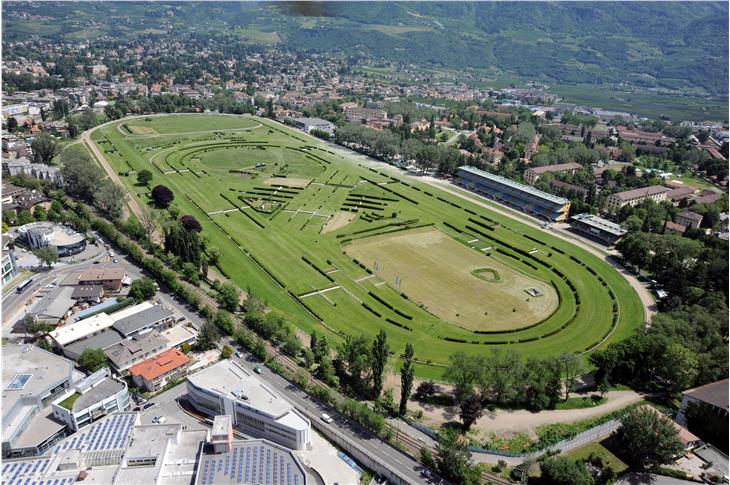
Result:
{"points": [[580, 402], [68, 403], [609, 459], [271, 240]]}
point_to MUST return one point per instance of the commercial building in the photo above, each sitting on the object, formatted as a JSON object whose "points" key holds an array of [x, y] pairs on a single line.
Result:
{"points": [[224, 461], [616, 201], [10, 267], [110, 278], [309, 124], [596, 227], [102, 340], [82, 329], [227, 388], [689, 219], [42, 234], [54, 307], [533, 174], [32, 378], [142, 318], [88, 293], [96, 396], [156, 372], [518, 196]]}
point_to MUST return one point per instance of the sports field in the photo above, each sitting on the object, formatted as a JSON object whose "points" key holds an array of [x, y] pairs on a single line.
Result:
{"points": [[322, 239]]}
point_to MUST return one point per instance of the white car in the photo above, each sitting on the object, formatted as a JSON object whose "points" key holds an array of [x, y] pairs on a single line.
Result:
{"points": [[161, 420], [327, 418]]}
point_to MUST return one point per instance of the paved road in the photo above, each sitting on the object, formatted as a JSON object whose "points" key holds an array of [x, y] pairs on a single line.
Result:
{"points": [[407, 467]]}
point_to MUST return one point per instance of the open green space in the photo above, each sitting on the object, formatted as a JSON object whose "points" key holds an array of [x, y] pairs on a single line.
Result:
{"points": [[596, 448], [68, 403], [294, 245]]}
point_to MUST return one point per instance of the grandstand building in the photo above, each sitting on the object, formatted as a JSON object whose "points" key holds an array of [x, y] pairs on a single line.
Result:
{"points": [[256, 410], [515, 195], [596, 227]]}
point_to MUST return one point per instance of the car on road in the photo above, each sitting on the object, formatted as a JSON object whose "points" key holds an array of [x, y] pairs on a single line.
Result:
{"points": [[115, 260], [326, 418], [258, 369], [95, 262], [149, 405], [239, 354]]}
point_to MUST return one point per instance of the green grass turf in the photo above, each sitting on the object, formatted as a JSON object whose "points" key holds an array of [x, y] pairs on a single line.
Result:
{"points": [[595, 447], [281, 253]]}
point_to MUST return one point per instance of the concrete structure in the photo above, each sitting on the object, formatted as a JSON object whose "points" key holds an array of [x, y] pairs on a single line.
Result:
{"points": [[140, 347], [94, 397], [596, 227], [616, 201], [153, 374], [309, 124], [713, 397], [688, 219], [41, 234], [518, 196], [533, 174], [10, 267], [227, 388], [31, 378], [110, 278]]}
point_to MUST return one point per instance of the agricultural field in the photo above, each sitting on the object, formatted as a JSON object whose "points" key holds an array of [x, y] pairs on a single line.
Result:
{"points": [[342, 248]]}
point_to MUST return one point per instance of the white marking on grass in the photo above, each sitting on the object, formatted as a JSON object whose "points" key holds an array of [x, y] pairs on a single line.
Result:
{"points": [[473, 241], [319, 292]]}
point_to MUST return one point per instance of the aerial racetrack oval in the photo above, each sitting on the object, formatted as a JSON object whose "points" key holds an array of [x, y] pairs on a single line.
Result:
{"points": [[344, 248]]}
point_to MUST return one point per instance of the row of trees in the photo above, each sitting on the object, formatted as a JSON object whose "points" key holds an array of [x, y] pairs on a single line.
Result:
{"points": [[85, 180]]}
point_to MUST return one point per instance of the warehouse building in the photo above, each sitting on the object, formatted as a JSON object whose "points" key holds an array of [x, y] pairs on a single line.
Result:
{"points": [[515, 195]]}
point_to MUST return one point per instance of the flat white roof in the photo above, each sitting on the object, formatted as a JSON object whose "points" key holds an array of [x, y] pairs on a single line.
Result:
{"points": [[124, 313], [232, 381], [75, 331]]}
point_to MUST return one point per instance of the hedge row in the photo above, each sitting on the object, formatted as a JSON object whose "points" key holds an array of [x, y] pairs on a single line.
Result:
{"points": [[317, 269], [393, 322]]}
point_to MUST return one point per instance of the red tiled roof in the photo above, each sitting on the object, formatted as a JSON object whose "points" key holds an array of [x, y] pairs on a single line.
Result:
{"points": [[159, 365]]}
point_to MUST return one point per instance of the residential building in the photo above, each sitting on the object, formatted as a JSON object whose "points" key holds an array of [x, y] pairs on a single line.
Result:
{"points": [[39, 171], [227, 388], [531, 175], [156, 372], [32, 378], [91, 399], [677, 194], [140, 347], [513, 194], [88, 294], [358, 114], [141, 318], [309, 124], [616, 201], [110, 278], [713, 398], [598, 228], [54, 307], [674, 228], [102, 340], [571, 190], [707, 197], [48, 234], [689, 219], [10, 267]]}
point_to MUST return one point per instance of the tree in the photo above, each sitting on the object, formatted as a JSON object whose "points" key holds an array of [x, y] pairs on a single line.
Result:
{"points": [[208, 335], [380, 359], [162, 196], [354, 353], [425, 390], [190, 223], [142, 289], [110, 198], [454, 459], [560, 470], [635, 248], [92, 360], [144, 177], [571, 369], [229, 296], [678, 368], [406, 379], [226, 352], [463, 373], [648, 438], [500, 369], [47, 255], [12, 124], [270, 108], [151, 220], [81, 176], [44, 148], [470, 410]]}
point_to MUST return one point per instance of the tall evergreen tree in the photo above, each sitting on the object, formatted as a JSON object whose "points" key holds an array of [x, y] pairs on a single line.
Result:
{"points": [[380, 358], [406, 379]]}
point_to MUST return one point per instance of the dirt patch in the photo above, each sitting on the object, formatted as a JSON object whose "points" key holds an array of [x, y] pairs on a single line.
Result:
{"points": [[288, 182], [142, 130], [338, 220]]}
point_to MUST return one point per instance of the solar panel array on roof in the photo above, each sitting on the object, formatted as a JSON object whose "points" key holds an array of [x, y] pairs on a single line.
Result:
{"points": [[251, 463]]}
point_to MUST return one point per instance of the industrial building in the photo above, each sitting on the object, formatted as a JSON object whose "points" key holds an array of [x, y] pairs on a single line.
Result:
{"points": [[515, 195]]}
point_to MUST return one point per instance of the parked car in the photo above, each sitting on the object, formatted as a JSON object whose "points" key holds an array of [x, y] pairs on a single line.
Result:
{"points": [[239, 354], [149, 405], [258, 369], [327, 418]]}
